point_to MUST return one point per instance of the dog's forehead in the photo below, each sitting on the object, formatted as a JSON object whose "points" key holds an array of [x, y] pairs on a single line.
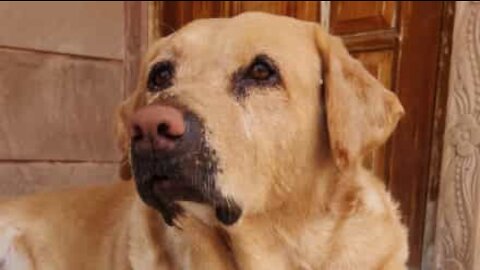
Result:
{"points": [[240, 38]]}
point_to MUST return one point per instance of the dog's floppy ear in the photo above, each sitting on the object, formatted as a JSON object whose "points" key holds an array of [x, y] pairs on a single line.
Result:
{"points": [[361, 113], [124, 112]]}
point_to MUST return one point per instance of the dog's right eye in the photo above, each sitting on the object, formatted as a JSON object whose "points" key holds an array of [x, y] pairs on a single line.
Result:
{"points": [[161, 76]]}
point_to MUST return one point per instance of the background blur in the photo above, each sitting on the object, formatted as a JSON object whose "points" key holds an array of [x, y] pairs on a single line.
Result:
{"points": [[65, 67]]}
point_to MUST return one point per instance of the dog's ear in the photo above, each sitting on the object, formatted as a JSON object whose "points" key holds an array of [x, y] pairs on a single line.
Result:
{"points": [[124, 112], [361, 113]]}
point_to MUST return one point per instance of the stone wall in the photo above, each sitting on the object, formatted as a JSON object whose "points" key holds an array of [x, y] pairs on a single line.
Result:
{"points": [[61, 79], [457, 241]]}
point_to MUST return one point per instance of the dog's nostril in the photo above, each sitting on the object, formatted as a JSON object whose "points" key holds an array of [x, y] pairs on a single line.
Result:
{"points": [[137, 134], [162, 129]]}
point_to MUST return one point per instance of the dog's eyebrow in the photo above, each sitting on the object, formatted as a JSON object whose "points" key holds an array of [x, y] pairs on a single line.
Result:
{"points": [[242, 82]]}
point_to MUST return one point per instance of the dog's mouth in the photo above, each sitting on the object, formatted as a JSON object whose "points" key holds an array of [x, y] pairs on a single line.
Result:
{"points": [[163, 194], [226, 210], [186, 173], [176, 190]]}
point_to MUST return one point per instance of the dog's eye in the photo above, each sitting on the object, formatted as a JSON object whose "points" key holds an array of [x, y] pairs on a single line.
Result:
{"points": [[260, 70], [261, 73], [161, 76]]}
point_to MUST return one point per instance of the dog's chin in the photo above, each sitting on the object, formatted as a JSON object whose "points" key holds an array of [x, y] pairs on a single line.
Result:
{"points": [[200, 211], [172, 198], [172, 190]]}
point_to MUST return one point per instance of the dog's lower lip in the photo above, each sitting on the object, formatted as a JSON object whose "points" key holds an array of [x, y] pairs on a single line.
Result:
{"points": [[173, 189], [165, 183], [162, 178], [162, 182]]}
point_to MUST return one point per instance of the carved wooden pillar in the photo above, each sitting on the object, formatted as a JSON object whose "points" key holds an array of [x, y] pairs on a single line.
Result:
{"points": [[458, 219]]}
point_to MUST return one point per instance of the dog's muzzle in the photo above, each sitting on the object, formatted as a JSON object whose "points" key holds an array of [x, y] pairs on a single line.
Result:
{"points": [[172, 161]]}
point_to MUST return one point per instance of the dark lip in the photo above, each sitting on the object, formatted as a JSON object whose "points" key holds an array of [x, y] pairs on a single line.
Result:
{"points": [[166, 191], [176, 190]]}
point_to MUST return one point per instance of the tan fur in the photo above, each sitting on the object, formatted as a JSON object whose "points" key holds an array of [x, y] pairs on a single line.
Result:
{"points": [[291, 159]]}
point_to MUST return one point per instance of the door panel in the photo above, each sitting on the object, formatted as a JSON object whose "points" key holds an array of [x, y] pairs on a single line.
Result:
{"points": [[348, 17], [416, 85], [175, 14], [171, 15], [399, 43], [305, 10]]}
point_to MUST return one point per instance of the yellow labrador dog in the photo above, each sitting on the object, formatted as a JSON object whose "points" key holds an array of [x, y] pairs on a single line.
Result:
{"points": [[245, 139]]}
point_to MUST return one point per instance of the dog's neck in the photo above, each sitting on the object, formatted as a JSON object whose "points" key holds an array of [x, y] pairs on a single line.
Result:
{"points": [[281, 234]]}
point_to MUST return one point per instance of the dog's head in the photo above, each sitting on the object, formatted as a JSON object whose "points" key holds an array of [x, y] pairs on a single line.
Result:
{"points": [[240, 114]]}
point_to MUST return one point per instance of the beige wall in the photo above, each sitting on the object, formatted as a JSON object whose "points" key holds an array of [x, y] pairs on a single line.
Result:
{"points": [[61, 78], [77, 27]]}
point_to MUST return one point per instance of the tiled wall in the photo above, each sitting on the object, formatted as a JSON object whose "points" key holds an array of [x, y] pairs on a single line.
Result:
{"points": [[61, 78]]}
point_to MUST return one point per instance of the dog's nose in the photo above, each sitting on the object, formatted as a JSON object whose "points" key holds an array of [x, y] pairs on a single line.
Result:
{"points": [[157, 126]]}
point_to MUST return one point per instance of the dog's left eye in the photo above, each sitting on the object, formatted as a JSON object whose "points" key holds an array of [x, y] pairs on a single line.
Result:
{"points": [[260, 70], [161, 76], [261, 73]]}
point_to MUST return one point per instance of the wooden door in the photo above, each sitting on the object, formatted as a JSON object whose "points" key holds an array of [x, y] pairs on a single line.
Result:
{"points": [[399, 43]]}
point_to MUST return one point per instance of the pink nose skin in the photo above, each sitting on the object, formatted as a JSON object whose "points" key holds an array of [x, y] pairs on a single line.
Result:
{"points": [[157, 127]]}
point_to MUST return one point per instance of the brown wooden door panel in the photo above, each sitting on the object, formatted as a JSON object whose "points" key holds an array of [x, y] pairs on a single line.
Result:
{"points": [[305, 10], [175, 14], [349, 17], [416, 85]]}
